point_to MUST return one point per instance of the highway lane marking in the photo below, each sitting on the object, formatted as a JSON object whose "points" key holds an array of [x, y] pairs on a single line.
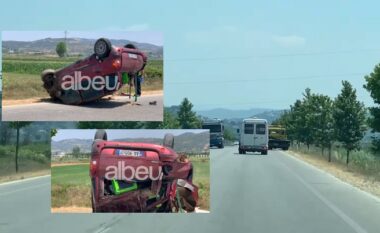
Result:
{"points": [[354, 225], [23, 180], [106, 226], [103, 230], [23, 189]]}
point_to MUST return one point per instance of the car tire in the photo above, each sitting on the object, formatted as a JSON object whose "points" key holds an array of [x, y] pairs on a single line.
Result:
{"points": [[169, 140], [102, 48], [130, 46], [48, 78], [100, 134], [265, 152]]}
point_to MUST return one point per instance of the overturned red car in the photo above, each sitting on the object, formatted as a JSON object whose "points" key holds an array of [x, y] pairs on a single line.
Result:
{"points": [[140, 177], [98, 75]]}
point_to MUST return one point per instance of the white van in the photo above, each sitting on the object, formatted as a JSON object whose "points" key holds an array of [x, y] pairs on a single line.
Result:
{"points": [[254, 136]]}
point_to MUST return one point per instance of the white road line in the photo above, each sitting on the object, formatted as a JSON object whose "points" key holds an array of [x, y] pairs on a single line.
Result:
{"points": [[23, 180], [103, 230], [354, 225], [23, 189]]}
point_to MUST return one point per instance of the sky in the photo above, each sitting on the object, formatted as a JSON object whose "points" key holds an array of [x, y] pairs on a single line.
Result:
{"points": [[112, 134], [230, 54]]}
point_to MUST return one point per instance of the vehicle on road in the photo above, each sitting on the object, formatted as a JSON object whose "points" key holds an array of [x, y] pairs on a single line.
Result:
{"points": [[140, 177], [101, 74], [253, 136], [278, 138], [216, 128]]}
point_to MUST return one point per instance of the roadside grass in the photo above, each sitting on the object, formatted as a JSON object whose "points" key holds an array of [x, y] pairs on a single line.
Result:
{"points": [[22, 86], [21, 75], [361, 161], [70, 184], [363, 171], [201, 178], [33, 161]]}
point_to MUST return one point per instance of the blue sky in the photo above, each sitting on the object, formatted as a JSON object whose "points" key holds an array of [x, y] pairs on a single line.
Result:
{"points": [[233, 54], [120, 133]]}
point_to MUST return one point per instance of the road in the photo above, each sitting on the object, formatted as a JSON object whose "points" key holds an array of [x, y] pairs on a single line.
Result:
{"points": [[119, 109], [249, 193]]}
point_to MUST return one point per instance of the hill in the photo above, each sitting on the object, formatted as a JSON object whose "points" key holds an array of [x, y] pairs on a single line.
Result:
{"points": [[186, 143], [76, 46]]}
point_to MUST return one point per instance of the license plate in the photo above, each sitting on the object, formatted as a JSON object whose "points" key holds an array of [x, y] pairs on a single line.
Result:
{"points": [[133, 153]]}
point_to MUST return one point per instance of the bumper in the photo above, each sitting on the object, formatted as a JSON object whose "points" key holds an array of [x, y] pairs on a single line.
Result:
{"points": [[253, 148]]}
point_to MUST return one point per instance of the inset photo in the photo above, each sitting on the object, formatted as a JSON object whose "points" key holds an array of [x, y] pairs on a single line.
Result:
{"points": [[130, 171], [82, 76]]}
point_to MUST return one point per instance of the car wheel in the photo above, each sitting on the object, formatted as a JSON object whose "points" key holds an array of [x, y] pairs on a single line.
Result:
{"points": [[265, 152], [102, 48], [169, 140], [101, 134], [130, 46], [48, 78]]}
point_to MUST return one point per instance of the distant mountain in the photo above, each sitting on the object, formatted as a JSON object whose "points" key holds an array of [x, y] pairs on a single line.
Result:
{"points": [[270, 116], [75, 46], [223, 113], [186, 143]]}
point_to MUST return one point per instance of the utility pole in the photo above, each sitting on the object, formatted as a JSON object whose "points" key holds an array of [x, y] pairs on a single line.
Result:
{"points": [[66, 42]]}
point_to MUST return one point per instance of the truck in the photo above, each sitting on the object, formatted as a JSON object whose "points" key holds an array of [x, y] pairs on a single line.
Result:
{"points": [[278, 137], [216, 128], [253, 136]]}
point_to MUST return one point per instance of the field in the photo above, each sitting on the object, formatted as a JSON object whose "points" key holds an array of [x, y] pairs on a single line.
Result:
{"points": [[21, 75], [71, 184]]}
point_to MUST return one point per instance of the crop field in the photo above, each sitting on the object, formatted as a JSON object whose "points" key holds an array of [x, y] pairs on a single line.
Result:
{"points": [[21, 75], [70, 184]]}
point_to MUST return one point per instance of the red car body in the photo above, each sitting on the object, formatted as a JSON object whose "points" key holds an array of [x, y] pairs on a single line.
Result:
{"points": [[110, 62], [158, 158]]}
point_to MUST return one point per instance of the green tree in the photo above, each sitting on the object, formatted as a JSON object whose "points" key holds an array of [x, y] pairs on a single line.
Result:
{"points": [[76, 151], [18, 125], [169, 122], [53, 132], [373, 87], [349, 117], [323, 122], [187, 118], [5, 133], [229, 135], [61, 49]]}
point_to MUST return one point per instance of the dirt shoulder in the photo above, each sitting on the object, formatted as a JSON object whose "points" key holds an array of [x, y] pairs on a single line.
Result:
{"points": [[24, 175], [12, 102], [75, 209], [342, 172], [68, 164]]}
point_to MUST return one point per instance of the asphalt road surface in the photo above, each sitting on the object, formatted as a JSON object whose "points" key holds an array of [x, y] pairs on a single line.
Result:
{"points": [[119, 109], [249, 193]]}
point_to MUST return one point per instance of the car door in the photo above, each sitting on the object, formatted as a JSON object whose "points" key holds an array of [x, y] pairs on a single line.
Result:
{"points": [[261, 134], [248, 139]]}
